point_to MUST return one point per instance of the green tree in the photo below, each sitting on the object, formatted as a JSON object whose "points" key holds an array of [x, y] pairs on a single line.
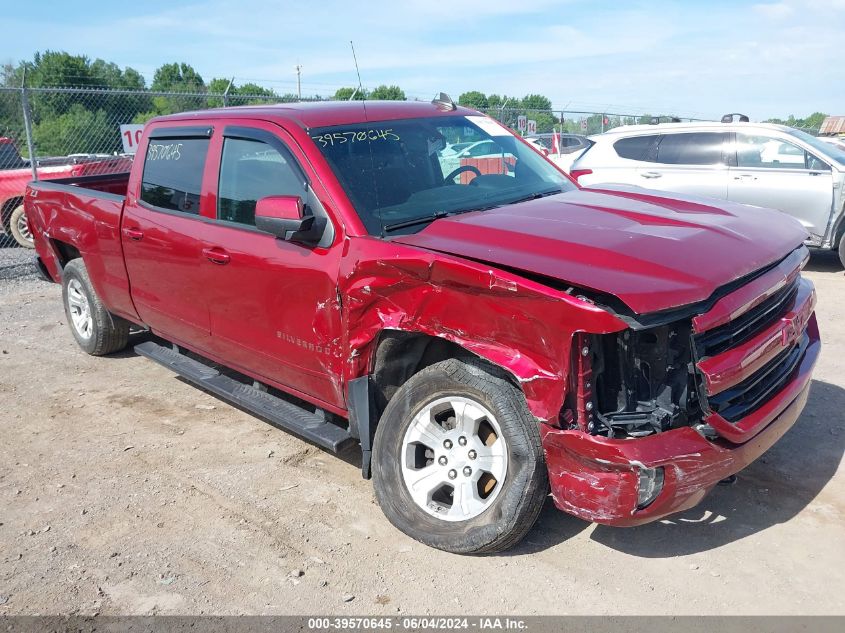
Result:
{"points": [[497, 101], [251, 93], [387, 93], [546, 121], [345, 94], [216, 89], [536, 102], [474, 99], [58, 68], [812, 122], [177, 77], [76, 131]]}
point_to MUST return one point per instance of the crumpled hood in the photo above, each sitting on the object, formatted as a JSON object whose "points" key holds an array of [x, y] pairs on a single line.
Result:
{"points": [[652, 251]]}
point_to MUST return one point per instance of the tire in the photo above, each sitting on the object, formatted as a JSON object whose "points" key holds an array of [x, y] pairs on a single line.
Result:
{"points": [[96, 330], [18, 228], [493, 513], [842, 250]]}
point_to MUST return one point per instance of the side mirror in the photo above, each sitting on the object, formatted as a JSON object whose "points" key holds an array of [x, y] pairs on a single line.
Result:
{"points": [[283, 217]]}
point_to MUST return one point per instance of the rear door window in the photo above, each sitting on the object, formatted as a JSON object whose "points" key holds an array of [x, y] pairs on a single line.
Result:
{"points": [[173, 170], [636, 147], [699, 148]]}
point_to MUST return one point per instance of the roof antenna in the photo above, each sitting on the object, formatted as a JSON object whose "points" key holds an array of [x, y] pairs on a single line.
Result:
{"points": [[360, 85]]}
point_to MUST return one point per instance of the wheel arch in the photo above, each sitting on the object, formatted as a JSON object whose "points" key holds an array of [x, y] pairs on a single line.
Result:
{"points": [[400, 354], [397, 356], [65, 251], [9, 205]]}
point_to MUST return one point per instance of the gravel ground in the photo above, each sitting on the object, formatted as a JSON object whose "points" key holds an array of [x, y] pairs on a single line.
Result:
{"points": [[17, 269], [124, 490]]}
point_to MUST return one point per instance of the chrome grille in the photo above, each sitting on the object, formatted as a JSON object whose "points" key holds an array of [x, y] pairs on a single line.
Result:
{"points": [[746, 397], [745, 326]]}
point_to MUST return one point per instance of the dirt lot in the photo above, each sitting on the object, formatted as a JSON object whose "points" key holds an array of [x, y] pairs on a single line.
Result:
{"points": [[125, 490]]}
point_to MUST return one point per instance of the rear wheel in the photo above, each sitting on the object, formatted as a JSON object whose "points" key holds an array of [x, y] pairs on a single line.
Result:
{"points": [[96, 330], [457, 461], [19, 229]]}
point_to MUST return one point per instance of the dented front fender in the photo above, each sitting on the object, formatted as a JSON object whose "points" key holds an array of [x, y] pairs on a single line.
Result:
{"points": [[518, 324]]}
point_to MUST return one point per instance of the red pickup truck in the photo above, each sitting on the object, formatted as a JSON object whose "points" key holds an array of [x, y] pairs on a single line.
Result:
{"points": [[485, 340], [16, 172]]}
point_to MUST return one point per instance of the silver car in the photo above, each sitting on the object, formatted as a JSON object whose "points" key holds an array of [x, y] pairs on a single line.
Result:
{"points": [[753, 163]]}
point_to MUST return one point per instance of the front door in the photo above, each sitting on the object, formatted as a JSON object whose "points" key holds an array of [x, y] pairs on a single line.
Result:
{"points": [[774, 173], [273, 304]]}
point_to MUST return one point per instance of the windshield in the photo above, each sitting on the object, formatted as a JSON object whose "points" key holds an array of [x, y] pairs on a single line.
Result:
{"points": [[402, 174], [825, 149]]}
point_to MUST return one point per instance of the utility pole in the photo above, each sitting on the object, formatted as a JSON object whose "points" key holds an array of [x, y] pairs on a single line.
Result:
{"points": [[27, 121], [298, 82]]}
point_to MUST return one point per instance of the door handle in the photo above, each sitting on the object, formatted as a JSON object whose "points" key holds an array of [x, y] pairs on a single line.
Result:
{"points": [[745, 177], [651, 174], [136, 235], [216, 255]]}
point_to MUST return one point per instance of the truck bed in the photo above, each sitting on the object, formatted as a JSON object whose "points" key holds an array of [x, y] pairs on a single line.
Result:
{"points": [[83, 214]]}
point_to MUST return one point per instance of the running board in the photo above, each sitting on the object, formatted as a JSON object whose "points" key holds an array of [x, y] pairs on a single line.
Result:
{"points": [[313, 427]]}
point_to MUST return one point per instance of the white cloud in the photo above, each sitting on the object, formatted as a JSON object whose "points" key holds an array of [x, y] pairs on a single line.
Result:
{"points": [[774, 10]]}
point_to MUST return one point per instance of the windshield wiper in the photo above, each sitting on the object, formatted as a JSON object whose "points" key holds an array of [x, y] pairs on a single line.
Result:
{"points": [[431, 217], [536, 195]]}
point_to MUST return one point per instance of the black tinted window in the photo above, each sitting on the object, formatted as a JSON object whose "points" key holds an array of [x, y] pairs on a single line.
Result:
{"points": [[9, 157], [701, 148], [173, 173], [636, 147], [251, 170]]}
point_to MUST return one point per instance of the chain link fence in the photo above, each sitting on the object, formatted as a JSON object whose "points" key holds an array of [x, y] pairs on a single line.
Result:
{"points": [[571, 122], [77, 132]]}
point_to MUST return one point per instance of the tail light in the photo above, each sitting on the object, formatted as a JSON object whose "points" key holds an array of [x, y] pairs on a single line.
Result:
{"points": [[577, 173]]}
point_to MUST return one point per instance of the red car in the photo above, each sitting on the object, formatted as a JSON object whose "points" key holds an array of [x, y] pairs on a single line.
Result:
{"points": [[16, 172], [485, 340]]}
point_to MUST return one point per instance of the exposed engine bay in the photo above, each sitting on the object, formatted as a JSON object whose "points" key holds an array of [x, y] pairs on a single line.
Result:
{"points": [[643, 381]]}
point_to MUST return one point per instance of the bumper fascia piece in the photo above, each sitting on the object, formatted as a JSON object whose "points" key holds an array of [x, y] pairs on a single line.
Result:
{"points": [[597, 479]]}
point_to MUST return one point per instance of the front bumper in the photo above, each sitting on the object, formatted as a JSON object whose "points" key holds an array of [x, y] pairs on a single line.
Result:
{"points": [[597, 479]]}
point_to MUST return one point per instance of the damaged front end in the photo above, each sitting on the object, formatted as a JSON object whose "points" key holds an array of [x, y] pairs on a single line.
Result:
{"points": [[643, 381], [658, 413]]}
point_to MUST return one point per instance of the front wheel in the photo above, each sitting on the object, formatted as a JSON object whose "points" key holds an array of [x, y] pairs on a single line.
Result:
{"points": [[19, 229], [842, 250], [457, 460], [96, 330]]}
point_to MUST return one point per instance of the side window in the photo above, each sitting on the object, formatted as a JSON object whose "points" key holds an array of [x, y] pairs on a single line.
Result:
{"points": [[774, 153], [172, 176], [251, 170], [635, 147], [700, 148]]}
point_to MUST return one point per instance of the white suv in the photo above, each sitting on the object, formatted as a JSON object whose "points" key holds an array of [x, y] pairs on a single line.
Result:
{"points": [[753, 163]]}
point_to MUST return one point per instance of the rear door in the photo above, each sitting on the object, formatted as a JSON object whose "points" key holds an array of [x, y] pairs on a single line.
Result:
{"points": [[776, 173], [274, 305], [688, 162], [159, 229]]}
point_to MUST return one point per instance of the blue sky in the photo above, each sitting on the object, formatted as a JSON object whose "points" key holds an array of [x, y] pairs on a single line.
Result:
{"points": [[765, 58]]}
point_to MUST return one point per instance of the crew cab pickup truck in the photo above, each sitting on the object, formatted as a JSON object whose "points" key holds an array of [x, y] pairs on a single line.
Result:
{"points": [[484, 340], [16, 172]]}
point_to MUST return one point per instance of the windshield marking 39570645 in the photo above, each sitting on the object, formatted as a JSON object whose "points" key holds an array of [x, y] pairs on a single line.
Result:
{"points": [[402, 174]]}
